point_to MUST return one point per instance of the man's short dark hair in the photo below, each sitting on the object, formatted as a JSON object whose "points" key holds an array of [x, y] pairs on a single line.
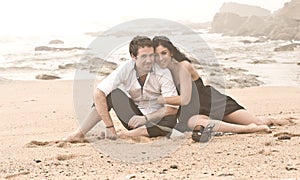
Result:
{"points": [[139, 42]]}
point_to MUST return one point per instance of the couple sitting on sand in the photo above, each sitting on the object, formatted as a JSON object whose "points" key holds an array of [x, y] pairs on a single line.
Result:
{"points": [[159, 91]]}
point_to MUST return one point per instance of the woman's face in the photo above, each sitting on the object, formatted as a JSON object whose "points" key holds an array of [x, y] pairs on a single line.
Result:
{"points": [[163, 56]]}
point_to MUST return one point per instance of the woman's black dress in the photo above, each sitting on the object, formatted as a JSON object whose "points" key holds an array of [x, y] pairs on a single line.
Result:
{"points": [[205, 100]]}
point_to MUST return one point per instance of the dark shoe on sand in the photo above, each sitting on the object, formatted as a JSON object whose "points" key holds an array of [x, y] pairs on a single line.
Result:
{"points": [[201, 134], [207, 132], [197, 132]]}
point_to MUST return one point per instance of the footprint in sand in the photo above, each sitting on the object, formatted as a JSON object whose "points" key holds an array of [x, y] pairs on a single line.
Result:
{"points": [[136, 139], [291, 120], [287, 134], [63, 157], [17, 174], [60, 144], [283, 121], [36, 143]]}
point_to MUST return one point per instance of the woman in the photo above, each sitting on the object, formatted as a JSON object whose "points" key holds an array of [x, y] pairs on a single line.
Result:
{"points": [[200, 103]]}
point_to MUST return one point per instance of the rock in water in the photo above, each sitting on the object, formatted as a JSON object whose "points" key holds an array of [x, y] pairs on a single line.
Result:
{"points": [[67, 66], [47, 48], [56, 41], [43, 48], [289, 47], [46, 77]]}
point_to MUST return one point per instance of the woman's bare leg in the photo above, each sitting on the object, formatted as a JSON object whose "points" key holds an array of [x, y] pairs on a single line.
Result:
{"points": [[222, 126], [244, 117], [90, 121]]}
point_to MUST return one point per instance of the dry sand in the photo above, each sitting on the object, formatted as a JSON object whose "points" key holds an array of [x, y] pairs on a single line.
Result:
{"points": [[36, 114]]}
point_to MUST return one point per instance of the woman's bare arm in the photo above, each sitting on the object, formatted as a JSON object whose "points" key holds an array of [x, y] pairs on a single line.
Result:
{"points": [[185, 81]]}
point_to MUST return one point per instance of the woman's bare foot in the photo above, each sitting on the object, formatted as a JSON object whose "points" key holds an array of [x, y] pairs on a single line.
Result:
{"points": [[75, 137], [252, 128]]}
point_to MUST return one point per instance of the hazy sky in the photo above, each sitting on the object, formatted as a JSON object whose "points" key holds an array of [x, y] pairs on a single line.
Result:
{"points": [[24, 17]]}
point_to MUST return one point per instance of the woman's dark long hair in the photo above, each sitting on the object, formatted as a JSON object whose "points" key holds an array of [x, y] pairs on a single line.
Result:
{"points": [[165, 42]]}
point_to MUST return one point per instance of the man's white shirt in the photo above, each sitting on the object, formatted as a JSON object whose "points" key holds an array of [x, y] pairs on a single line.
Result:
{"points": [[158, 82]]}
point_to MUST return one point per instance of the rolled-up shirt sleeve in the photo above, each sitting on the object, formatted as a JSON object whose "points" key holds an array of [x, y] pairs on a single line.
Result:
{"points": [[112, 81]]}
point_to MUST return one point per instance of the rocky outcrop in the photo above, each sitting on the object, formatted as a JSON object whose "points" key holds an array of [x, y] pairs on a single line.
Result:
{"points": [[226, 23], [93, 65], [253, 26], [98, 65], [283, 25], [244, 10], [290, 10]]}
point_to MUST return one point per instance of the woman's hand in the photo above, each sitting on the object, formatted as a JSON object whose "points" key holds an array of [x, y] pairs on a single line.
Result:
{"points": [[161, 100]]}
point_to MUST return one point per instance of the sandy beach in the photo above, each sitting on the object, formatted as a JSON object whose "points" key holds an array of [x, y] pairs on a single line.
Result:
{"points": [[35, 114], [248, 50]]}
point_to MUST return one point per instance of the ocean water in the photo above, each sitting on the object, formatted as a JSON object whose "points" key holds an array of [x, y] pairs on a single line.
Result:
{"points": [[237, 60], [20, 61]]}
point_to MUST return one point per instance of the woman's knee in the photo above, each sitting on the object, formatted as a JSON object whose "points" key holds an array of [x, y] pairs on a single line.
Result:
{"points": [[198, 120]]}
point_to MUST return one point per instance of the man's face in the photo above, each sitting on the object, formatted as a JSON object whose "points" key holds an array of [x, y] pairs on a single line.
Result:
{"points": [[144, 59]]}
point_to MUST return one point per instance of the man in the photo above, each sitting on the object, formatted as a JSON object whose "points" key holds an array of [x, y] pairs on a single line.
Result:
{"points": [[132, 91]]}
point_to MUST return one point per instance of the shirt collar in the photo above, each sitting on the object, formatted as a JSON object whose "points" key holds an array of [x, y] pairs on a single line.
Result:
{"points": [[136, 71]]}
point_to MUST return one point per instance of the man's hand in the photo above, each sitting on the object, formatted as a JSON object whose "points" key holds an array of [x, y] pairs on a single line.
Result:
{"points": [[110, 133], [137, 121]]}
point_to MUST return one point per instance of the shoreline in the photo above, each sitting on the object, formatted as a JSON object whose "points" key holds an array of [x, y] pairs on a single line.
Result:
{"points": [[229, 86], [43, 111], [241, 63]]}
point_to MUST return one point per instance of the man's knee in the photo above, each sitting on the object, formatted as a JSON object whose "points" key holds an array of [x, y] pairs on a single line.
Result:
{"points": [[117, 92], [156, 131], [168, 121], [163, 127], [114, 97]]}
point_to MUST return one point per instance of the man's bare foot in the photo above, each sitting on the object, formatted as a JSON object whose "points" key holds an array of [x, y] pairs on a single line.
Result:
{"points": [[122, 134], [258, 128], [75, 137], [137, 139], [102, 135]]}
